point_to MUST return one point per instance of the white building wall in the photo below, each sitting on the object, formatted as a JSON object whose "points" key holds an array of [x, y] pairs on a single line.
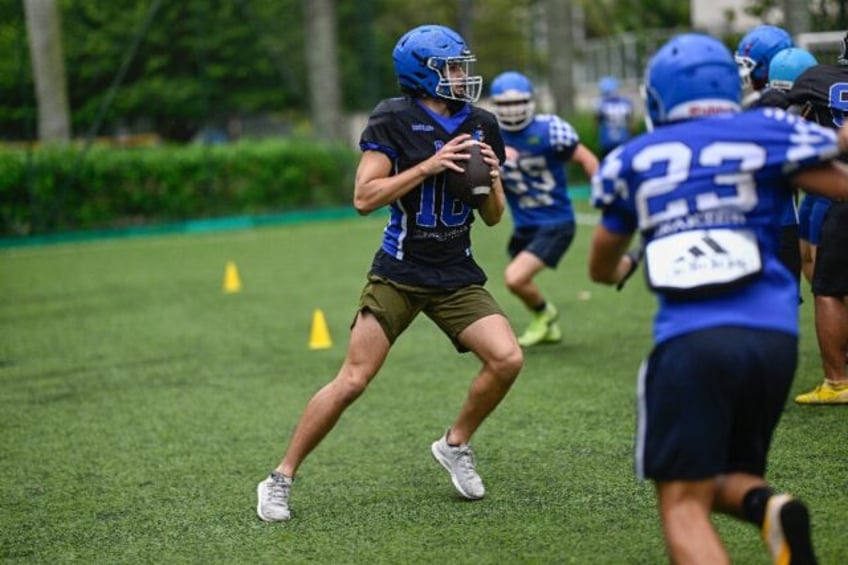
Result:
{"points": [[712, 16]]}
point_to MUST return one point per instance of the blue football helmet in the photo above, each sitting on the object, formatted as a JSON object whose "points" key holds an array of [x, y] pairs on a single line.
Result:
{"points": [[787, 65], [692, 75], [608, 86], [755, 51], [433, 60], [512, 93]]}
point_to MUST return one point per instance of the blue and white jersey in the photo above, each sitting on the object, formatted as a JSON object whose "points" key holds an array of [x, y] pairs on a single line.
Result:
{"points": [[613, 114], [536, 183], [707, 196]]}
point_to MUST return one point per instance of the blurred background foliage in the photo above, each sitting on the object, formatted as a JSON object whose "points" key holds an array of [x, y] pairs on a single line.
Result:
{"points": [[201, 62]]}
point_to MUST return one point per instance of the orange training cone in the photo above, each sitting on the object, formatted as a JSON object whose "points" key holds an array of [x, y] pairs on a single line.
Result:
{"points": [[319, 335], [232, 282]]}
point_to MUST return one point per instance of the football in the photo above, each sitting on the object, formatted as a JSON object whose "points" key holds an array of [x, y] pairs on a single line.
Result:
{"points": [[474, 184]]}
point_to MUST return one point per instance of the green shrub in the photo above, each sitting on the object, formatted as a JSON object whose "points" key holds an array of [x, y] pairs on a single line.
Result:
{"points": [[61, 189]]}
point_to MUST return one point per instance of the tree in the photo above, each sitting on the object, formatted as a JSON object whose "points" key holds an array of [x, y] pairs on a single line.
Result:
{"points": [[45, 38], [322, 62]]}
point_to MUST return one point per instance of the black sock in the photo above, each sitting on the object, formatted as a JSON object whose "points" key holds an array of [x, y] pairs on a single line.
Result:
{"points": [[541, 307], [754, 504]]}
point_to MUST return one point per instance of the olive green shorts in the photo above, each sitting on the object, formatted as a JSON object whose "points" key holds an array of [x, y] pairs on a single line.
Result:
{"points": [[396, 305]]}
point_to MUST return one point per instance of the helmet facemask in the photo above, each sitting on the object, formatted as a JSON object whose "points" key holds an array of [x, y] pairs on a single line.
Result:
{"points": [[455, 79], [514, 110], [746, 68]]}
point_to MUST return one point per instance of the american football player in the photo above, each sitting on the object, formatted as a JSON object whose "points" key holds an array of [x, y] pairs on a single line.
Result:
{"points": [[753, 56], [705, 190], [822, 93], [534, 176], [613, 116], [425, 262]]}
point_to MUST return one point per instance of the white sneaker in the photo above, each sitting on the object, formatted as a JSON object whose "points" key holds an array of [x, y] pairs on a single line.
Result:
{"points": [[459, 462], [273, 498]]}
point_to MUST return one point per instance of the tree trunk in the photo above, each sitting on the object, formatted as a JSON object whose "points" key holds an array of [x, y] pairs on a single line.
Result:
{"points": [[48, 66], [561, 55], [323, 69]]}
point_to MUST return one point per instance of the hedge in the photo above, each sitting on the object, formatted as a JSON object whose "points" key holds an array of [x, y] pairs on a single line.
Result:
{"points": [[51, 190]]}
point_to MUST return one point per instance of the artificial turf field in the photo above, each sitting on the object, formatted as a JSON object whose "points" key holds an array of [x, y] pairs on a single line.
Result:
{"points": [[141, 404]]}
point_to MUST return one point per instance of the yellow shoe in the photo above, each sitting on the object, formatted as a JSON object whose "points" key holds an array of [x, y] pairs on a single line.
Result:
{"points": [[554, 334], [829, 392], [540, 327]]}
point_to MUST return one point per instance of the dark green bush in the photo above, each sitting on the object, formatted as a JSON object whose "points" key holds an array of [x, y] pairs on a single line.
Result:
{"points": [[63, 189]]}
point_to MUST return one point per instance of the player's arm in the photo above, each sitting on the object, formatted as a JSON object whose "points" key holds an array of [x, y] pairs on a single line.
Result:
{"points": [[828, 179], [586, 159], [492, 209], [375, 186], [609, 262]]}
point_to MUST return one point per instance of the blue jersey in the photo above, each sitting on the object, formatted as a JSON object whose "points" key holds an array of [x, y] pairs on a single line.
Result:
{"points": [[811, 216], [536, 183], [707, 196], [427, 241], [613, 114]]}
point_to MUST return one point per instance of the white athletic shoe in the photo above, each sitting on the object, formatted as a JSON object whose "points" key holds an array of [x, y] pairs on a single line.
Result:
{"points": [[273, 498], [459, 462]]}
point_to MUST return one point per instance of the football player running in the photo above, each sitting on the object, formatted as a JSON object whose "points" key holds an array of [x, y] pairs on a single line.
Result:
{"points": [[425, 262], [705, 189], [822, 94], [534, 176]]}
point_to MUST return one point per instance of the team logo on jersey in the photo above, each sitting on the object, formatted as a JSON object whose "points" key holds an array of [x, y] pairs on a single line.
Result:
{"points": [[423, 127], [700, 259]]}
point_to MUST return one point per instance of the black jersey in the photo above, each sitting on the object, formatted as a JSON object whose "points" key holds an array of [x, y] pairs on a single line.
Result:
{"points": [[427, 241], [773, 98], [822, 93]]}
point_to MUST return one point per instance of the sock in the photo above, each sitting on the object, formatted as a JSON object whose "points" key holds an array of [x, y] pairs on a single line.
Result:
{"points": [[541, 307], [837, 385], [754, 505]]}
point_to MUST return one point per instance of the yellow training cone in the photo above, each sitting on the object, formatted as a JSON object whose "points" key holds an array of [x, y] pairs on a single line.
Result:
{"points": [[319, 335], [232, 282]]}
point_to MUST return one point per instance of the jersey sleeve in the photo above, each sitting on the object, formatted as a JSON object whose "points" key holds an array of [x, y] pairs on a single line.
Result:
{"points": [[612, 196], [563, 137], [378, 132], [795, 142]]}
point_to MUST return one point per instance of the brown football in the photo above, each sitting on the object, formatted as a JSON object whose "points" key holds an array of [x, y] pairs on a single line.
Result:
{"points": [[474, 184]]}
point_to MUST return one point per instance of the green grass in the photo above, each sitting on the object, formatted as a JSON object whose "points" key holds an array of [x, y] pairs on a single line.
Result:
{"points": [[141, 405]]}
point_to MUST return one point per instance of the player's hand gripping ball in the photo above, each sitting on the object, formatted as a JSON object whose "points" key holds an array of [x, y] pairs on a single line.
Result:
{"points": [[474, 184]]}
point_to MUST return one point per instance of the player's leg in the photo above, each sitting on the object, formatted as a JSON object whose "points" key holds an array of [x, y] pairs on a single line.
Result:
{"points": [[475, 322], [832, 332], [807, 250], [830, 288], [491, 339], [742, 491], [532, 251], [384, 313], [685, 508], [518, 278], [366, 352]]}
